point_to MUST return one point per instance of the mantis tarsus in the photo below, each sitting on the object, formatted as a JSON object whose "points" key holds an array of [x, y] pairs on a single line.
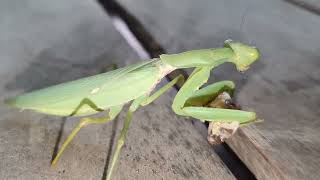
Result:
{"points": [[112, 90]]}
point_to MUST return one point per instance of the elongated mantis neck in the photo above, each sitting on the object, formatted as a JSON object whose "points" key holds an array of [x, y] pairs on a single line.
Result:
{"points": [[221, 56], [198, 58]]}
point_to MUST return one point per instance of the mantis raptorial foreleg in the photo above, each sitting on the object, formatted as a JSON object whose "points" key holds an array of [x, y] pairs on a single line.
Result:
{"points": [[113, 112], [190, 90], [206, 94]]}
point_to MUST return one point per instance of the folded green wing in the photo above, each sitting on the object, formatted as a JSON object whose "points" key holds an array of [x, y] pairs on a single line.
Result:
{"points": [[105, 90]]}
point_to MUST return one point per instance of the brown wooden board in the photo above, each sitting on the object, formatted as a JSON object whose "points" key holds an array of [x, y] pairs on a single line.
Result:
{"points": [[48, 43], [283, 87]]}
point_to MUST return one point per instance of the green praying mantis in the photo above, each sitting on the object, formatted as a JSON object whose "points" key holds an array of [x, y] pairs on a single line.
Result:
{"points": [[112, 90]]}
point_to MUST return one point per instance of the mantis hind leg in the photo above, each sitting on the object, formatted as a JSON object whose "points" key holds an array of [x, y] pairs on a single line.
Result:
{"points": [[113, 112], [189, 100], [86, 101]]}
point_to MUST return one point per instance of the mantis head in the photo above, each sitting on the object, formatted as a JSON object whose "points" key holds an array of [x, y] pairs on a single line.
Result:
{"points": [[244, 55]]}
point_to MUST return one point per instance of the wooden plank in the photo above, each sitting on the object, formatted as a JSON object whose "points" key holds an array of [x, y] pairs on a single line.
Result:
{"points": [[45, 44], [283, 87]]}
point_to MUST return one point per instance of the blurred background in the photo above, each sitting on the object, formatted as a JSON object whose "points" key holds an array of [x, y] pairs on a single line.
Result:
{"points": [[44, 43]]}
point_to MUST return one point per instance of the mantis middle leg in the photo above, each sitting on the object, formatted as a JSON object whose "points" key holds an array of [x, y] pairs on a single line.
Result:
{"points": [[143, 100]]}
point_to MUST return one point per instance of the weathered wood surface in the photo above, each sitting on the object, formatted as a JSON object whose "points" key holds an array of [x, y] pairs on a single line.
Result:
{"points": [[47, 43], [283, 87]]}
